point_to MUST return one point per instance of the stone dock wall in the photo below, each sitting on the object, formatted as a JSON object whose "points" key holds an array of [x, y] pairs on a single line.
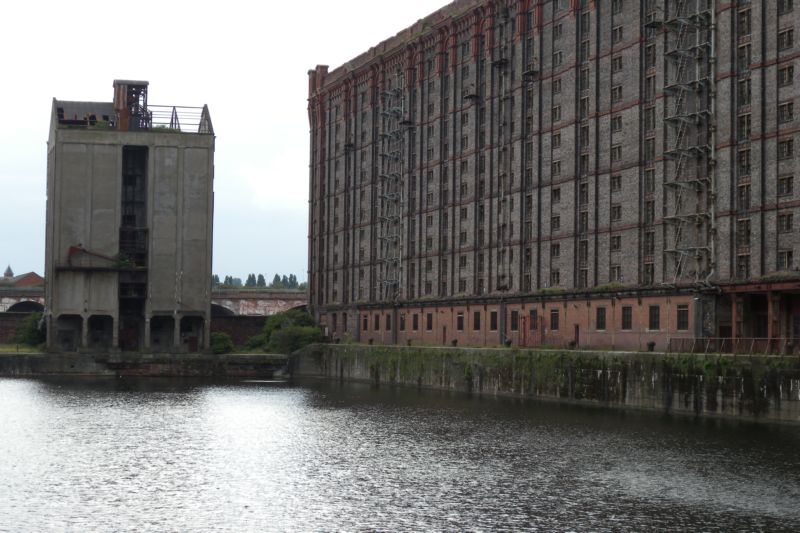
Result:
{"points": [[748, 387], [134, 364]]}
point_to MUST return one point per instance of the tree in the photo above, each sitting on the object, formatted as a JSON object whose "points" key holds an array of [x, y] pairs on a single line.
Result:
{"points": [[292, 281], [215, 280], [276, 282], [251, 280], [261, 281], [236, 282], [31, 331], [285, 282]]}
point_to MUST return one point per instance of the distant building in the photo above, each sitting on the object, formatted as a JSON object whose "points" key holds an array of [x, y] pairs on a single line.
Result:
{"points": [[560, 172], [29, 279], [129, 224]]}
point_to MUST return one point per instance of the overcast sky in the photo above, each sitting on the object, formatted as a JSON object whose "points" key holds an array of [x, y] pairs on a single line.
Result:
{"points": [[247, 60]]}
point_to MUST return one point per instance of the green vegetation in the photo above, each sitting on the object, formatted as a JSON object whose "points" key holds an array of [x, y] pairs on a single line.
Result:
{"points": [[32, 332], [254, 281], [286, 332], [221, 343]]}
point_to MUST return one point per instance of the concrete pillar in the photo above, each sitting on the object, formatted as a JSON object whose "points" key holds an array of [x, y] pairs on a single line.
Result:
{"points": [[84, 331], [147, 332], [206, 332], [115, 331], [176, 333]]}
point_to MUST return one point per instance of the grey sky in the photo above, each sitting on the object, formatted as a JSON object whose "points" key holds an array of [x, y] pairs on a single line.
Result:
{"points": [[246, 60]]}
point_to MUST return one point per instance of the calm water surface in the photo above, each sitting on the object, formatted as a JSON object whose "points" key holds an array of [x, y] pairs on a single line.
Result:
{"points": [[163, 455]]}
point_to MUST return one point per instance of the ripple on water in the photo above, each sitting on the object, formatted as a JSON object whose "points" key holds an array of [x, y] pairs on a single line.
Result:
{"points": [[174, 455]]}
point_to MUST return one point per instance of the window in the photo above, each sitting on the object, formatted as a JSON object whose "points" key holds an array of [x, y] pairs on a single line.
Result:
{"points": [[415, 321], [785, 39], [558, 58], [743, 92], [743, 196], [743, 162], [683, 317], [650, 56], [785, 149], [514, 320], [654, 318], [555, 250], [556, 113], [616, 35], [462, 285], [786, 76], [785, 112], [616, 123], [616, 153], [493, 321], [649, 212], [743, 23], [616, 212], [557, 86], [649, 180], [556, 168], [555, 278], [744, 127], [650, 118], [785, 260], [616, 63], [429, 321], [556, 141], [616, 93], [616, 243], [555, 223], [388, 322], [376, 322], [476, 321], [743, 57], [649, 242], [785, 6], [460, 321], [616, 183], [743, 266], [627, 317], [649, 149], [615, 273], [583, 79], [648, 274], [743, 232], [616, 7], [600, 319], [558, 31], [554, 319], [555, 195], [785, 185], [785, 222]]}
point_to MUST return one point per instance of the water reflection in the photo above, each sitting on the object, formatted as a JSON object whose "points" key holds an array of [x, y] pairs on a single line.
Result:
{"points": [[158, 455]]}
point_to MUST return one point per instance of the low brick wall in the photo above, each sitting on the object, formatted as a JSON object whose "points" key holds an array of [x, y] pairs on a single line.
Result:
{"points": [[752, 387], [240, 328], [9, 324]]}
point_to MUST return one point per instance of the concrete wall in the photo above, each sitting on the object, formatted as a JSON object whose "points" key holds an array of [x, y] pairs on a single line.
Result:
{"points": [[83, 209], [760, 388]]}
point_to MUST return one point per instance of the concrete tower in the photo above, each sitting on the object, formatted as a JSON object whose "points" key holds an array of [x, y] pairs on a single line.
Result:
{"points": [[129, 224]]}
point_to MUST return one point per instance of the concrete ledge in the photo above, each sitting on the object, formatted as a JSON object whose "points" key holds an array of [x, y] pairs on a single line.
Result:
{"points": [[762, 388], [134, 364]]}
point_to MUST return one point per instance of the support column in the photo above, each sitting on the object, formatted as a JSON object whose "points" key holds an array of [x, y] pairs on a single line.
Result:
{"points": [[147, 333], [176, 334], [84, 331], [115, 332]]}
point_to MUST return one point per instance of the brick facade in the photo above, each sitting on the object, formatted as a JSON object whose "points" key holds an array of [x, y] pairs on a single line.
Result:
{"points": [[552, 148]]}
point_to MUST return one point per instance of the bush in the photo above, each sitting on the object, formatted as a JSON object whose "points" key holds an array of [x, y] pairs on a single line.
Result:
{"points": [[288, 339], [32, 331], [293, 317], [256, 341], [221, 343]]}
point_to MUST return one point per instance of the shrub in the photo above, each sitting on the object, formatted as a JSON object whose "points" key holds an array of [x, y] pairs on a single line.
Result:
{"points": [[32, 331], [288, 339], [293, 317], [256, 341], [221, 343]]}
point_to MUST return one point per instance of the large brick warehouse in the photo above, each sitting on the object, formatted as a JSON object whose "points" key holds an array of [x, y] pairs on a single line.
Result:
{"points": [[613, 173]]}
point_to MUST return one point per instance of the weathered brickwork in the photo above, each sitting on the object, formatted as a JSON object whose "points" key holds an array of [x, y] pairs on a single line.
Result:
{"points": [[553, 146]]}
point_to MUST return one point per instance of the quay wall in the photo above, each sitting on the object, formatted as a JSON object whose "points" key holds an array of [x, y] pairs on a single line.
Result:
{"points": [[763, 388], [135, 364]]}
